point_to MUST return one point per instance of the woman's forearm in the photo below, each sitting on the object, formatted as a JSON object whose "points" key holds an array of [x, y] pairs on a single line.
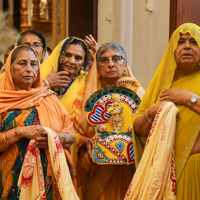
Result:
{"points": [[142, 125]]}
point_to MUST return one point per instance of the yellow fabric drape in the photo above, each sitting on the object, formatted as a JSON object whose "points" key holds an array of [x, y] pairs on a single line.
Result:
{"points": [[155, 175], [189, 184], [52, 61], [188, 126]]}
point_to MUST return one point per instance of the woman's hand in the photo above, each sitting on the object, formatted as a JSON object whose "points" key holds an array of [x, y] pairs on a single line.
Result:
{"points": [[88, 142], [58, 79], [92, 43], [176, 95], [34, 132]]}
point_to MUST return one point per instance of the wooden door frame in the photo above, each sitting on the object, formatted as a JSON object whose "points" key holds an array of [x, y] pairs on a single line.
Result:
{"points": [[173, 16]]}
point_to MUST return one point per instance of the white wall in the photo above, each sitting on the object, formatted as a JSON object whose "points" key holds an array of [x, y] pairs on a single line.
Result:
{"points": [[143, 34], [150, 38]]}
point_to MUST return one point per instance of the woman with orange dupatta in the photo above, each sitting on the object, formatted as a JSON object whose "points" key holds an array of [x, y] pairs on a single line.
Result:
{"points": [[176, 80], [31, 117], [98, 182]]}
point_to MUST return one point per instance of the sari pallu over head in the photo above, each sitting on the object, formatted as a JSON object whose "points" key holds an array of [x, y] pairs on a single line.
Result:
{"points": [[55, 60], [50, 111], [188, 126]]}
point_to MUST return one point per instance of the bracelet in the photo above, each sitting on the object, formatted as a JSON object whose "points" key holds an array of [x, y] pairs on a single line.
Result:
{"points": [[150, 121], [4, 139], [46, 82], [82, 141]]}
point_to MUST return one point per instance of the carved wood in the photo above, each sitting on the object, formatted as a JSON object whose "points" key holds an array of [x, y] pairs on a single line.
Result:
{"points": [[41, 24], [24, 15]]}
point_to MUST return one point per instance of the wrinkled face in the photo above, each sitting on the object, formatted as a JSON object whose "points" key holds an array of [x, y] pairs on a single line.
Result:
{"points": [[34, 42], [187, 51], [74, 59], [111, 65], [24, 70]]}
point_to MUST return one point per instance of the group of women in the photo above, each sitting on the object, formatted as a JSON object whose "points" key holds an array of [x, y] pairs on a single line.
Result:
{"points": [[42, 118]]}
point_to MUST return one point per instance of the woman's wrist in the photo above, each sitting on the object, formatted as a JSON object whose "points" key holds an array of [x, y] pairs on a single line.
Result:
{"points": [[46, 82], [147, 117], [82, 141], [19, 132], [62, 139]]}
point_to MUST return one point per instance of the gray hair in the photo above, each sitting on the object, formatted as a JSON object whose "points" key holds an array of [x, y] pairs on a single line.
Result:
{"points": [[111, 45]]}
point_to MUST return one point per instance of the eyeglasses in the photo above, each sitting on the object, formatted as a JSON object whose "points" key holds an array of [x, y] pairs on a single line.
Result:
{"points": [[34, 45], [115, 59]]}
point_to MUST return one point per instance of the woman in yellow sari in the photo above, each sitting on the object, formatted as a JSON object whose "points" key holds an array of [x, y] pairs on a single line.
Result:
{"points": [[97, 182], [177, 80], [64, 71]]}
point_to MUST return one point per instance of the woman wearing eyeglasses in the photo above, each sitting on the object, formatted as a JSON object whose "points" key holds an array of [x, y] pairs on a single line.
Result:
{"points": [[98, 182]]}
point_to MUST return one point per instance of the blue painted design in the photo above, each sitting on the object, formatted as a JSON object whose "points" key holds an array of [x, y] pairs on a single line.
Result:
{"points": [[131, 152], [119, 146]]}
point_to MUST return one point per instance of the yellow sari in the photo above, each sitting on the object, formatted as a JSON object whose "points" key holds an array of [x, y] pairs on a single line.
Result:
{"points": [[96, 181], [188, 126], [53, 60]]}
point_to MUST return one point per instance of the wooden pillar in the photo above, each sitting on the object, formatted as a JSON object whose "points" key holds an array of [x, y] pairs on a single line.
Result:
{"points": [[59, 21], [24, 15], [63, 19], [49, 9]]}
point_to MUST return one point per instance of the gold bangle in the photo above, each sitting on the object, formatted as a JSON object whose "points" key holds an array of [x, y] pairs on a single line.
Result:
{"points": [[82, 141], [46, 82], [150, 121], [4, 139]]}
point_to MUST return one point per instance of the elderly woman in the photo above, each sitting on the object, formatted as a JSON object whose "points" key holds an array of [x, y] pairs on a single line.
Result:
{"points": [[95, 181], [177, 80], [64, 69], [34, 127], [34, 39]]}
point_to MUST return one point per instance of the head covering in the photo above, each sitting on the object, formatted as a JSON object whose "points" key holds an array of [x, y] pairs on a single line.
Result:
{"points": [[21, 99], [186, 133], [164, 74], [57, 56]]}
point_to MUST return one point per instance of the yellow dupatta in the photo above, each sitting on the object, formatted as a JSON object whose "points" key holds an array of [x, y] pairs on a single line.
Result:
{"points": [[52, 61], [186, 132]]}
